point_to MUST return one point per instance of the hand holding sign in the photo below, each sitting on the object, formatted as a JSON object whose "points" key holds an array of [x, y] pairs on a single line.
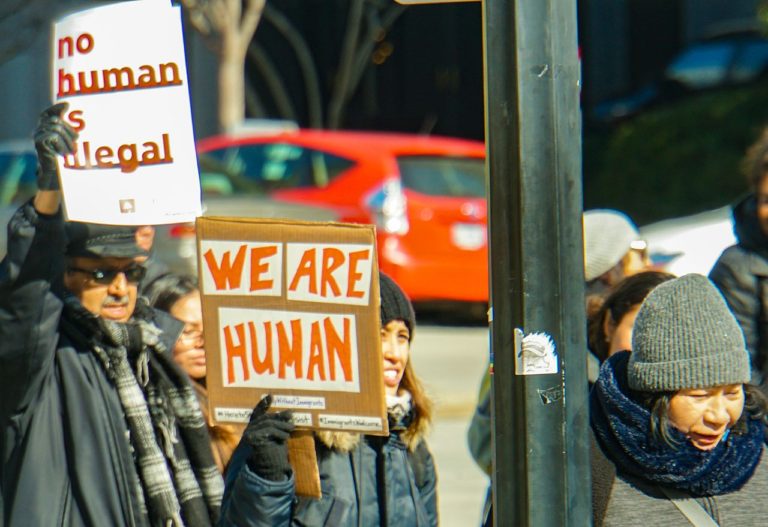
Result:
{"points": [[53, 137], [268, 433]]}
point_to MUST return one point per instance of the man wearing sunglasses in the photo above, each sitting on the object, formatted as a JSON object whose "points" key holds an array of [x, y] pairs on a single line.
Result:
{"points": [[102, 270], [98, 426]]}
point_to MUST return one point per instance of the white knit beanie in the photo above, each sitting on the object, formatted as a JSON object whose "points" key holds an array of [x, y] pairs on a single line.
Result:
{"points": [[608, 236]]}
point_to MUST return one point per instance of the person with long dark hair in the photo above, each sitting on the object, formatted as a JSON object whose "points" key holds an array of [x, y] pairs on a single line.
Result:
{"points": [[179, 296], [365, 480], [609, 327]]}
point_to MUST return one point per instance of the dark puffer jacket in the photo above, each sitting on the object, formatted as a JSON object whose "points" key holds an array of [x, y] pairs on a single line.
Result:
{"points": [[66, 459], [741, 274], [352, 495]]}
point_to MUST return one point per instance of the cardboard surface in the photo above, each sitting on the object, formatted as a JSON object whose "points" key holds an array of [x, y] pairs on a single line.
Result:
{"points": [[292, 309], [303, 458]]}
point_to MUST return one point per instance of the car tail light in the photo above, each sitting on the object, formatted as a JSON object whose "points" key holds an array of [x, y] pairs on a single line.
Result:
{"points": [[182, 230], [389, 207]]}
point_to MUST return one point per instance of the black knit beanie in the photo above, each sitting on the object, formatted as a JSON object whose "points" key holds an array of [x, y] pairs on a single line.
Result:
{"points": [[394, 304]]}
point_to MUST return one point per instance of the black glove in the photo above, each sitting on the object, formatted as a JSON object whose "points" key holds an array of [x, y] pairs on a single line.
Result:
{"points": [[53, 136], [267, 433]]}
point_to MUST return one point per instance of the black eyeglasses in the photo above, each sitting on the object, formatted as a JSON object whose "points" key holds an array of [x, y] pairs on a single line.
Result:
{"points": [[133, 274]]}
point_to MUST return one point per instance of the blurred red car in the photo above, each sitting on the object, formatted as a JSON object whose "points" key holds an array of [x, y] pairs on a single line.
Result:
{"points": [[426, 196]]}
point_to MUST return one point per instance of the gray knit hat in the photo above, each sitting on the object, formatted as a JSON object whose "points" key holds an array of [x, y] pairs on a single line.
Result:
{"points": [[686, 337], [608, 236]]}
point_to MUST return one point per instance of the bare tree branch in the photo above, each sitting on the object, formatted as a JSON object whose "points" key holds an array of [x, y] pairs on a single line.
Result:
{"points": [[354, 21], [306, 63], [251, 18], [274, 81], [233, 25]]}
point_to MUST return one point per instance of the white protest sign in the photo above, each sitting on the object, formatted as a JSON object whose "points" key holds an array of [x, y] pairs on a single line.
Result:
{"points": [[121, 68], [288, 350]]}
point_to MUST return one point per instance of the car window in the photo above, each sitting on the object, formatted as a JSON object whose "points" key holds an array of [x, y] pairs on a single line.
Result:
{"points": [[443, 176], [266, 167], [751, 61], [703, 65], [17, 176]]}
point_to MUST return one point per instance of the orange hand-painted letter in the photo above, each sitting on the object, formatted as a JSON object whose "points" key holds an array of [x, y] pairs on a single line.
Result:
{"points": [[353, 276], [235, 351], [306, 269], [258, 267], [226, 275]]}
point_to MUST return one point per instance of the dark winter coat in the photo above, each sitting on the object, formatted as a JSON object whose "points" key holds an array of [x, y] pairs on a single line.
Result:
{"points": [[621, 500], [66, 459], [351, 490], [741, 274]]}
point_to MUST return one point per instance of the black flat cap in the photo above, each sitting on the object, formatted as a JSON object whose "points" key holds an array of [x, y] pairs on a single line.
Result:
{"points": [[91, 240]]}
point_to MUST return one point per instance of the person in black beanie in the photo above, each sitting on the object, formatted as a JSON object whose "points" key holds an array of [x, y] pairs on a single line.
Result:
{"points": [[98, 426], [365, 480]]}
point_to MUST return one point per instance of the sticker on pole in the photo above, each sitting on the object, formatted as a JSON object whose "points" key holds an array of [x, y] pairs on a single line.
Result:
{"points": [[534, 354]]}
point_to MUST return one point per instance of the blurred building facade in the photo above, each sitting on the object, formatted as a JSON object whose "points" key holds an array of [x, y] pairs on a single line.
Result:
{"points": [[426, 74]]}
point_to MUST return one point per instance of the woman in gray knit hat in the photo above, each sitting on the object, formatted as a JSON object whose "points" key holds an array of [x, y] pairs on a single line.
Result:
{"points": [[679, 433]]}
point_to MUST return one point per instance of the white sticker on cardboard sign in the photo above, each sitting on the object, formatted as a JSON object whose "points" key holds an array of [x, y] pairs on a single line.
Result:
{"points": [[298, 402], [301, 419], [232, 415], [350, 422]]}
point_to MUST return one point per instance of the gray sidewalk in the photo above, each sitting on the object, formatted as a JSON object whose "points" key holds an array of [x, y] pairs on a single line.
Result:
{"points": [[451, 362]]}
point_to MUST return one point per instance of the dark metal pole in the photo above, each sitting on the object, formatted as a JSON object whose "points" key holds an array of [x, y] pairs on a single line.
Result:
{"points": [[533, 136]]}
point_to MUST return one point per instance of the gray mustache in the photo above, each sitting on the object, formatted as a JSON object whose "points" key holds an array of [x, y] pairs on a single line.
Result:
{"points": [[112, 299]]}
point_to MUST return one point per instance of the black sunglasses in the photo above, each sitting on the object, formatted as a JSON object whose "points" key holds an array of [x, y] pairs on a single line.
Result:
{"points": [[133, 274]]}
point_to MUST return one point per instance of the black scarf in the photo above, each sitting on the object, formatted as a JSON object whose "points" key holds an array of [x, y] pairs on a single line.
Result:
{"points": [[622, 428], [180, 484]]}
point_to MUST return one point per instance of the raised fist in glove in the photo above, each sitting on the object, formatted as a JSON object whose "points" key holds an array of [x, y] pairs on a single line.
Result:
{"points": [[268, 433], [53, 137]]}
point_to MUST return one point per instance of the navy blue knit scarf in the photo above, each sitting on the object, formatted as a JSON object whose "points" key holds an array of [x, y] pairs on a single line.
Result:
{"points": [[622, 427]]}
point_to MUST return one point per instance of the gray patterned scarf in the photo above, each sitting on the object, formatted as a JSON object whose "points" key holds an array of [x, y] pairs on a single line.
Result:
{"points": [[180, 484]]}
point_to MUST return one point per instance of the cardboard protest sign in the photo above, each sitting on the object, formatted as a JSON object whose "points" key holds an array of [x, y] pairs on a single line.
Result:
{"points": [[292, 309], [121, 68]]}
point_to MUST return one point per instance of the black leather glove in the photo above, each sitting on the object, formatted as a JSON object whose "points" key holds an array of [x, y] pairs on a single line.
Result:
{"points": [[53, 137], [268, 433]]}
